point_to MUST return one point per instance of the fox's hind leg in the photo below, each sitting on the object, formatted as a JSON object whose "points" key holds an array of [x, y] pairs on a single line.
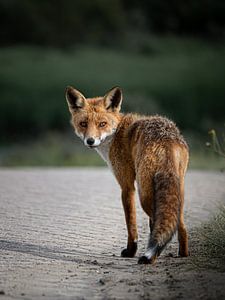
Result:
{"points": [[182, 232]]}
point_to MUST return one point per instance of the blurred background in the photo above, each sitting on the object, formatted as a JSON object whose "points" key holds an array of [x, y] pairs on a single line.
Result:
{"points": [[167, 56]]}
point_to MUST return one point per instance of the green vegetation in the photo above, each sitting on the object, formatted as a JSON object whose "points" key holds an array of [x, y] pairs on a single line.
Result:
{"points": [[209, 251], [64, 23], [64, 149], [205, 160], [184, 82], [180, 78], [210, 238], [52, 149]]}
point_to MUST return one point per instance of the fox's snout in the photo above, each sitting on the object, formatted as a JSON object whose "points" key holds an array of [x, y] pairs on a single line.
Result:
{"points": [[92, 142]]}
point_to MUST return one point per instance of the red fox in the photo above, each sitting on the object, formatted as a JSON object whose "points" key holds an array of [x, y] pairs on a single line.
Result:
{"points": [[148, 149]]}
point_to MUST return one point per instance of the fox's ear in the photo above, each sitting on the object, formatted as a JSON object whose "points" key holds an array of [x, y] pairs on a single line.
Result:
{"points": [[113, 99], [74, 99]]}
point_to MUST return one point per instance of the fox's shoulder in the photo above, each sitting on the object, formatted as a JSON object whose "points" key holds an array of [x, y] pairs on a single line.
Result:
{"points": [[128, 120]]}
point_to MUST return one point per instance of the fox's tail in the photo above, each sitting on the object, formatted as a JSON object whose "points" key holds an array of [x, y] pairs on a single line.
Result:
{"points": [[166, 214]]}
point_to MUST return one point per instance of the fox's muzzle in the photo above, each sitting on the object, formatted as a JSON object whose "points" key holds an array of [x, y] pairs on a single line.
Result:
{"points": [[92, 142]]}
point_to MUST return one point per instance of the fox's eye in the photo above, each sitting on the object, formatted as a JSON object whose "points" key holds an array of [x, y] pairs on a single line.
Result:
{"points": [[102, 124], [83, 124]]}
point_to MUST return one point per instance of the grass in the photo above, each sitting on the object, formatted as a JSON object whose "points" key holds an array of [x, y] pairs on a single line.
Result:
{"points": [[53, 149], [181, 78], [206, 160], [57, 149], [209, 249]]}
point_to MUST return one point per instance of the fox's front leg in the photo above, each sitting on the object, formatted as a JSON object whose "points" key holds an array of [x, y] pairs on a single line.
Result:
{"points": [[128, 199]]}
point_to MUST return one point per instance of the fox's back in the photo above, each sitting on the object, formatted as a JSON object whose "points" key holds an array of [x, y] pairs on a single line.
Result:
{"points": [[148, 141], [154, 129]]}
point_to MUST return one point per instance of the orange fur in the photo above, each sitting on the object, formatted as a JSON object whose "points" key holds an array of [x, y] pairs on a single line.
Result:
{"points": [[149, 150]]}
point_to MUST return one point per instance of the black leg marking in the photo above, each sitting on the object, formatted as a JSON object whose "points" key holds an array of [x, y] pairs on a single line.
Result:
{"points": [[130, 251]]}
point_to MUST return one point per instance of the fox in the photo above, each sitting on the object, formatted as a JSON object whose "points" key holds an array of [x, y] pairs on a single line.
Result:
{"points": [[148, 150]]}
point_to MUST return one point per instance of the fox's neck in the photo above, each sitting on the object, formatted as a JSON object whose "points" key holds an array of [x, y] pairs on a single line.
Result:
{"points": [[103, 149]]}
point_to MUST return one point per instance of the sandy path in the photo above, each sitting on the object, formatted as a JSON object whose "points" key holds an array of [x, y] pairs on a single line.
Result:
{"points": [[62, 230]]}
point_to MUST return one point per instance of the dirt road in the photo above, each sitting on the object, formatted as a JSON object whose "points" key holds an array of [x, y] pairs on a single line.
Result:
{"points": [[62, 231]]}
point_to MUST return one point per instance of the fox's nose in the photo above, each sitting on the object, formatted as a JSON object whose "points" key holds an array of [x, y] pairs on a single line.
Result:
{"points": [[90, 141]]}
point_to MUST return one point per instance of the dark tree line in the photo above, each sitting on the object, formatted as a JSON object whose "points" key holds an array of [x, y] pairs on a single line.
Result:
{"points": [[63, 23]]}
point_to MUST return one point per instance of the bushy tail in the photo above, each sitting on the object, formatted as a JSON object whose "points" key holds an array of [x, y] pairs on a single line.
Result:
{"points": [[166, 214]]}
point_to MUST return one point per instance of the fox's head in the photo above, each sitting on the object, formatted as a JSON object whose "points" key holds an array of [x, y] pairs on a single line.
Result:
{"points": [[94, 119]]}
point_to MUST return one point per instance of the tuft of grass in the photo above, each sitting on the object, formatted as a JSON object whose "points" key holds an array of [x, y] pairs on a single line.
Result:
{"points": [[209, 247], [217, 146]]}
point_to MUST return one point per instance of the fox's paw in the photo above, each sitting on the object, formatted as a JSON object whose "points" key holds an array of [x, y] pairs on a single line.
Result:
{"points": [[144, 260], [130, 251]]}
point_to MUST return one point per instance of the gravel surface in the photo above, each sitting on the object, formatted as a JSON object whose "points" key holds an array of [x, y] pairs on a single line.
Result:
{"points": [[62, 231]]}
